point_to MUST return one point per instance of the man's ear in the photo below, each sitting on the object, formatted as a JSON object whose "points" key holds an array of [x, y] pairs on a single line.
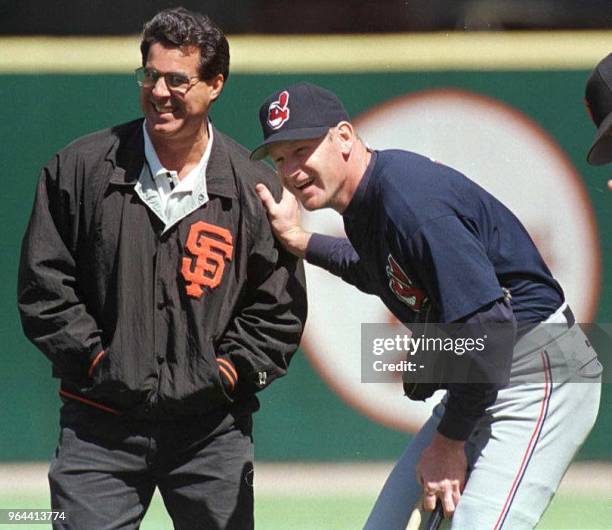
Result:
{"points": [[216, 85], [346, 136]]}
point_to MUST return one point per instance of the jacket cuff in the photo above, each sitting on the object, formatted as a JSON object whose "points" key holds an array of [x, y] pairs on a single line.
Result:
{"points": [[96, 355], [228, 373]]}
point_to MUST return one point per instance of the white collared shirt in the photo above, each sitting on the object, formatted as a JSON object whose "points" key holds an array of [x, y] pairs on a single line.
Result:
{"points": [[172, 199]]}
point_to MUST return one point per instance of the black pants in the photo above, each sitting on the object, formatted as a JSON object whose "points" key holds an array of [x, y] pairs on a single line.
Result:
{"points": [[106, 469]]}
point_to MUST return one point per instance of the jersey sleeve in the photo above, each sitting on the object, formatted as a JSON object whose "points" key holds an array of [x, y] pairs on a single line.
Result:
{"points": [[452, 266], [490, 369], [337, 255]]}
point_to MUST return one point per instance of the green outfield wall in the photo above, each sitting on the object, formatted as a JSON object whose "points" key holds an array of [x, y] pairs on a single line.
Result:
{"points": [[49, 96]]}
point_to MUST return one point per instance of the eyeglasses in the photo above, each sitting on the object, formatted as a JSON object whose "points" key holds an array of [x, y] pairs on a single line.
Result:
{"points": [[175, 81]]}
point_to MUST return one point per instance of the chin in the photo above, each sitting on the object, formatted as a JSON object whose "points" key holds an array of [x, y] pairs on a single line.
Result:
{"points": [[313, 204], [162, 128]]}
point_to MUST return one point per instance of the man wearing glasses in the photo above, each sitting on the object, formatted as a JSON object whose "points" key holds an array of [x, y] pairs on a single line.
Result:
{"points": [[150, 278]]}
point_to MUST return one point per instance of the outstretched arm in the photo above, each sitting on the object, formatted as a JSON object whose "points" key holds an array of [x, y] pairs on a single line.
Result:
{"points": [[334, 254]]}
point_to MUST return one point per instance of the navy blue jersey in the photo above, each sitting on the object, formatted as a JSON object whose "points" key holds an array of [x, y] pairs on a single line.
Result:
{"points": [[435, 246]]}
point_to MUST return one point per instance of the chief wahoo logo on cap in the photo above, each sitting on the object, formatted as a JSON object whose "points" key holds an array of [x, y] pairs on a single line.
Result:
{"points": [[278, 112]]}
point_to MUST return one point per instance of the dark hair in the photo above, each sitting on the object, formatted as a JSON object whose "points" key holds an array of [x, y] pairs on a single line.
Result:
{"points": [[181, 27]]}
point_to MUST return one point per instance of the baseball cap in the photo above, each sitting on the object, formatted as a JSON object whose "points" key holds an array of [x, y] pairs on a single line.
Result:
{"points": [[599, 102], [298, 112]]}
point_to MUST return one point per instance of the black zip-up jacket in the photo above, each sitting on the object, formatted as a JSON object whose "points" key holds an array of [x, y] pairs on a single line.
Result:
{"points": [[154, 323]]}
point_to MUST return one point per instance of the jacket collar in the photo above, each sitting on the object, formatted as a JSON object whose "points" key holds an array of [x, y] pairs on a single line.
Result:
{"points": [[127, 156], [220, 179], [127, 153]]}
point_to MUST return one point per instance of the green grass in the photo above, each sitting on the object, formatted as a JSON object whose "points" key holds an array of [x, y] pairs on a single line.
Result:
{"points": [[578, 512], [346, 512]]}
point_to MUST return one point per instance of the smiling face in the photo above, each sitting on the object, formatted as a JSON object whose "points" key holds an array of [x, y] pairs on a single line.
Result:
{"points": [[171, 115], [313, 170]]}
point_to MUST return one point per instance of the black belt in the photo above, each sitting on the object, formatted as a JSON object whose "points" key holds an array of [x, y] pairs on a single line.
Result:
{"points": [[569, 316]]}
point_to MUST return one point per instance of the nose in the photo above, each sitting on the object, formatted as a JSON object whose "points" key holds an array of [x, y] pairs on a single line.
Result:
{"points": [[160, 89], [289, 170]]}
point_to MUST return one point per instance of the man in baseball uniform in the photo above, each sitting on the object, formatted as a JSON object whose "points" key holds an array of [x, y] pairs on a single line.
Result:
{"points": [[494, 452], [151, 279], [598, 98]]}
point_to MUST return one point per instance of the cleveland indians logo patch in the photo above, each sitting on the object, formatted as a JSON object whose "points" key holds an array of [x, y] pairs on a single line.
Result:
{"points": [[403, 287], [278, 112], [211, 246]]}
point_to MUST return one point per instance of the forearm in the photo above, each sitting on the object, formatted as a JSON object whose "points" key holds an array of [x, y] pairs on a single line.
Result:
{"points": [[337, 255]]}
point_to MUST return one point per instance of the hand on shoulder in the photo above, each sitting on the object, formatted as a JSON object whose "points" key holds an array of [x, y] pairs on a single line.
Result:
{"points": [[284, 217]]}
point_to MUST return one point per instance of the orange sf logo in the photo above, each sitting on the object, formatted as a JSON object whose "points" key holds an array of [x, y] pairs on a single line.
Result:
{"points": [[211, 245]]}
